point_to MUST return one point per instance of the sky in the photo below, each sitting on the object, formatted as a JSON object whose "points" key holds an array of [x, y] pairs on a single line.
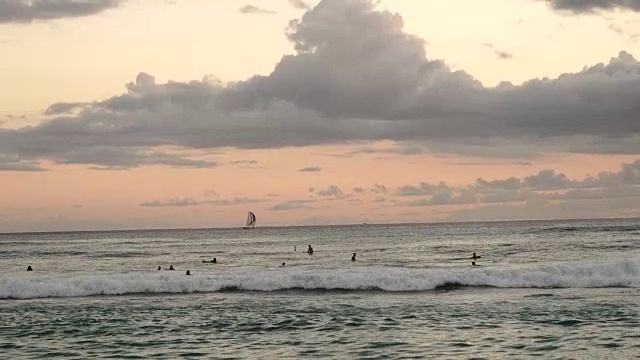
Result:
{"points": [[131, 114]]}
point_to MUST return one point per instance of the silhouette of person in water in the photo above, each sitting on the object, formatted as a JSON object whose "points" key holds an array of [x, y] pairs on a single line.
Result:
{"points": [[29, 268], [212, 261], [159, 268], [474, 257], [310, 250], [353, 258], [188, 272], [474, 263], [171, 267], [282, 265]]}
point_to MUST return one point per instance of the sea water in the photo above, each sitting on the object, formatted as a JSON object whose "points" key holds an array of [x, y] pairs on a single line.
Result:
{"points": [[554, 289]]}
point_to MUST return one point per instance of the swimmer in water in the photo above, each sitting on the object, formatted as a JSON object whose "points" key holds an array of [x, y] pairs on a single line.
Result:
{"points": [[188, 272], [283, 264], [29, 268], [310, 250], [159, 268], [171, 267], [353, 258]]}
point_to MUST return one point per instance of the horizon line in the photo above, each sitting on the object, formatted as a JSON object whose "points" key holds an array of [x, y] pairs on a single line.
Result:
{"points": [[240, 227]]}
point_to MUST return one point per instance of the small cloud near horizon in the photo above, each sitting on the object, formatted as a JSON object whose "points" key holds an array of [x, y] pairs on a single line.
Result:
{"points": [[252, 9], [311, 169]]}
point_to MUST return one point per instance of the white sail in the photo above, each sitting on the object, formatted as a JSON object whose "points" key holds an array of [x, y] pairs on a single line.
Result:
{"points": [[251, 220]]}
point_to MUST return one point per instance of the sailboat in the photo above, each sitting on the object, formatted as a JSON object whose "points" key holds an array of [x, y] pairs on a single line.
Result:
{"points": [[251, 221]]}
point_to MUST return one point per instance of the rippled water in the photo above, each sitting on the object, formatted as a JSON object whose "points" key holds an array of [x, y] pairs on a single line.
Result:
{"points": [[550, 289]]}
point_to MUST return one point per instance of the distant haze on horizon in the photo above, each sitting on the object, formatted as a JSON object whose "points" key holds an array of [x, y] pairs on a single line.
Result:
{"points": [[130, 114]]}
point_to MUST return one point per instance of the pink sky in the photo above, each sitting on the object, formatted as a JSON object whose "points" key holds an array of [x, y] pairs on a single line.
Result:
{"points": [[358, 123]]}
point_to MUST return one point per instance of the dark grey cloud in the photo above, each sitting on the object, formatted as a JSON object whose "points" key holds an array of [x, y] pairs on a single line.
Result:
{"points": [[244, 162], [356, 75], [545, 187], [331, 191], [586, 6], [547, 180], [311, 169], [507, 184], [422, 189], [127, 158], [292, 205], [172, 202], [252, 9], [14, 163], [25, 11], [184, 202]]}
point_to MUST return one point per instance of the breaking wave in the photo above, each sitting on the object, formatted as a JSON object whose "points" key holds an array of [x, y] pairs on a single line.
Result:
{"points": [[388, 279]]}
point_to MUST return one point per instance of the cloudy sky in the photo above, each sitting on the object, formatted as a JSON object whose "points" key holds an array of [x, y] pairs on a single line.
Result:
{"points": [[121, 114]]}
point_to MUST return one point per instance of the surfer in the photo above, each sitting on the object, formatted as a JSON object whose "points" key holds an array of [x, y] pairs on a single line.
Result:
{"points": [[474, 257], [159, 268], [294, 248], [353, 258], [283, 264], [214, 261], [171, 267], [310, 250], [188, 272], [474, 263], [29, 268]]}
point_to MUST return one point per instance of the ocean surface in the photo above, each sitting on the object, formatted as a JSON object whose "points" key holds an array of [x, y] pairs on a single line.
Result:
{"points": [[549, 289]]}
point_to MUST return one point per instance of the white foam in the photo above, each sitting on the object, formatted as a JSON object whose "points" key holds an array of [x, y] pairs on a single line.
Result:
{"points": [[623, 274]]}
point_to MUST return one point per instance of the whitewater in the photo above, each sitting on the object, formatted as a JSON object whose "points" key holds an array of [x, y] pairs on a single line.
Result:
{"points": [[626, 274], [542, 288]]}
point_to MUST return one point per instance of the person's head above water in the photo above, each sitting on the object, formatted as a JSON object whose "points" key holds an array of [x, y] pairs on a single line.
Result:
{"points": [[29, 268], [159, 268], [188, 272], [214, 260], [473, 263], [171, 267]]}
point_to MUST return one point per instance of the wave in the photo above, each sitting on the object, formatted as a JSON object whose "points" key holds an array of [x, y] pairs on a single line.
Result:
{"points": [[387, 279]]}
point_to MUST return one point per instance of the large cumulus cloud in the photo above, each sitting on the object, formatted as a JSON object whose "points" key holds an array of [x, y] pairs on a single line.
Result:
{"points": [[356, 75], [24, 11]]}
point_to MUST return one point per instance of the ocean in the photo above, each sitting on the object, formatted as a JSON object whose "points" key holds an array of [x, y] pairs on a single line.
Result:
{"points": [[550, 289]]}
